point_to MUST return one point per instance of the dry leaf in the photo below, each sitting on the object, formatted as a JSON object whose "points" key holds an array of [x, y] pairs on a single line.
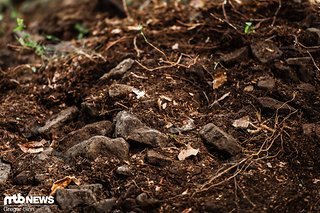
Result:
{"points": [[219, 79], [33, 147], [63, 183], [242, 122], [185, 153]]}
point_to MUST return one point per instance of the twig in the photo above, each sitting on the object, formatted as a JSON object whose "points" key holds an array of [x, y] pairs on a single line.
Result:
{"points": [[276, 13]]}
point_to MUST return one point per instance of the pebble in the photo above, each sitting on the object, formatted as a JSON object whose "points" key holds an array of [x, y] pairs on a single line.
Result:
{"points": [[224, 143], [265, 51], [119, 70], [131, 128], [157, 159], [100, 145]]}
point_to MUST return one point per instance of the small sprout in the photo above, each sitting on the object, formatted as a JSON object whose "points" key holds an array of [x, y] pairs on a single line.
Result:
{"points": [[52, 38], [82, 30], [20, 25], [248, 28]]}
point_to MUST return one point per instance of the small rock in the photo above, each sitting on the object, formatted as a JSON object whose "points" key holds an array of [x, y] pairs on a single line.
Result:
{"points": [[95, 188], [4, 172], [105, 205], [157, 159], [119, 70], [89, 109], [131, 128], [285, 72], [104, 128], [308, 129], [238, 55], [145, 202], [124, 170], [59, 119], [306, 88], [266, 83], [274, 104], [128, 204], [119, 90], [68, 199], [100, 145], [24, 178], [220, 140], [265, 51]]}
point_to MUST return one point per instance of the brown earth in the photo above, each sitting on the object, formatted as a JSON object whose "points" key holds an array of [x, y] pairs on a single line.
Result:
{"points": [[194, 60]]}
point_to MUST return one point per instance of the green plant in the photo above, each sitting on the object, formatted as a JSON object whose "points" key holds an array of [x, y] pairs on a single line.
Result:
{"points": [[26, 40], [82, 30], [248, 28]]}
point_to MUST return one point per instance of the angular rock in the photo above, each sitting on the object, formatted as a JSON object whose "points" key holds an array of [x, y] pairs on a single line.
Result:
{"points": [[220, 140], [236, 56], [103, 128], [24, 178], [144, 201], [131, 128], [274, 104], [265, 51], [157, 159], [4, 172], [285, 72], [119, 70], [119, 90], [95, 188], [266, 83], [68, 199], [100, 145], [124, 170], [105, 205], [59, 119]]}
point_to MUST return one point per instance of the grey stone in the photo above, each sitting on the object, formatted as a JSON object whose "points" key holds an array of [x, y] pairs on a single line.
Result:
{"points": [[68, 199], [59, 119], [238, 55], [220, 140], [4, 172], [131, 128], [95, 188], [146, 202], [124, 170], [100, 145], [119, 70], [157, 159], [265, 51], [274, 104], [105, 205], [104, 128], [119, 90], [266, 83]]}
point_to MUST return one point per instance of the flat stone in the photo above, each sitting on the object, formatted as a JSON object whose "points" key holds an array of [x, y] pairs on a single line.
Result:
{"points": [[274, 104], [119, 90], [238, 55], [105, 205], [104, 128], [306, 88], [96, 188], [59, 119], [145, 202], [119, 70], [157, 159], [24, 178], [131, 128], [285, 72], [265, 51], [100, 145], [4, 172], [220, 140], [124, 170], [68, 199], [266, 83]]}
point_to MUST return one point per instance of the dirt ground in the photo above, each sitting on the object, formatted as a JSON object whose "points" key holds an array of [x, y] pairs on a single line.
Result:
{"points": [[251, 69]]}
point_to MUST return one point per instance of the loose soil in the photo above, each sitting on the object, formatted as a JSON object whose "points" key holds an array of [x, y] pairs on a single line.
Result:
{"points": [[192, 60]]}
